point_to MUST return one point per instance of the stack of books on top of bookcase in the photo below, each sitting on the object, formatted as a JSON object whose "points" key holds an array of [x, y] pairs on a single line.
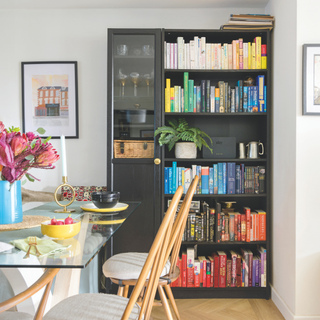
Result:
{"points": [[221, 178], [206, 96], [249, 22], [221, 269], [198, 54]]}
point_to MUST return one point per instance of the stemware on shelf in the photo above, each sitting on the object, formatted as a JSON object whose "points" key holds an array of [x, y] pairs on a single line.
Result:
{"points": [[148, 78], [135, 78], [122, 78]]}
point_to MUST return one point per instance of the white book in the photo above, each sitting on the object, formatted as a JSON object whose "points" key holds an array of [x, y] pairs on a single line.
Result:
{"points": [[245, 55], [187, 56], [212, 55], [165, 54], [229, 56], [180, 42], [168, 56], [208, 55], [212, 98], [219, 55], [191, 52], [196, 52], [187, 179], [226, 57], [171, 55], [179, 99], [175, 56], [203, 53]]}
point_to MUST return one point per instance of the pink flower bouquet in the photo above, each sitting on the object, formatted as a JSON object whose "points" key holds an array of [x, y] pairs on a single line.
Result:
{"points": [[21, 152]]}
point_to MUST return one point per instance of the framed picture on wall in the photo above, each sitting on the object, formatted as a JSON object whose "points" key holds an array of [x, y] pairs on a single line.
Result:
{"points": [[311, 79], [50, 98]]}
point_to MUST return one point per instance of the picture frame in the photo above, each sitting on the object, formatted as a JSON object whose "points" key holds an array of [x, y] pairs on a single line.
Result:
{"points": [[311, 79], [148, 134], [50, 98]]}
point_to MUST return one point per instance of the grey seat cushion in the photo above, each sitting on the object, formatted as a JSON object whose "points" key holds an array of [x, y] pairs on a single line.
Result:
{"points": [[91, 306], [128, 265], [14, 315]]}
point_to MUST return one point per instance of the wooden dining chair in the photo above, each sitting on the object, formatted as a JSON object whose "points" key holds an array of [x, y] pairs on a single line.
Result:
{"points": [[123, 268], [44, 281]]}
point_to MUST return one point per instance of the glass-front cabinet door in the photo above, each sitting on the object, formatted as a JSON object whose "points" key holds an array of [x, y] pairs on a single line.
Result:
{"points": [[134, 111]]}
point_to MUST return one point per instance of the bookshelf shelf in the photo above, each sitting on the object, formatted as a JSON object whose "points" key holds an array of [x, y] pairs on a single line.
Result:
{"points": [[244, 126]]}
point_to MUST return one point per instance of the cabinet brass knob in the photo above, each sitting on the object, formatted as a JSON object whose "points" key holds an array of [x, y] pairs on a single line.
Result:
{"points": [[157, 161]]}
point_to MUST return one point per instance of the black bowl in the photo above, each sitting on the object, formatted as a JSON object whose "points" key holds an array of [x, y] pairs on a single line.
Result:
{"points": [[105, 199]]}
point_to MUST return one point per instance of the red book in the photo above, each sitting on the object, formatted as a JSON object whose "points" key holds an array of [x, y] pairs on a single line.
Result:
{"points": [[239, 227], [203, 271], [250, 254], [247, 212], [208, 273], [212, 275], [229, 266], [184, 270], [243, 227], [180, 275], [190, 277], [196, 273], [239, 271], [262, 225], [222, 269], [215, 270]]}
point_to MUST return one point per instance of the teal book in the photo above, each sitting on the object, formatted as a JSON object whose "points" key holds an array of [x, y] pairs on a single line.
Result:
{"points": [[166, 180], [191, 92], [215, 179], [170, 180], [220, 178], [198, 99], [186, 91], [224, 177], [245, 99], [174, 176], [211, 180]]}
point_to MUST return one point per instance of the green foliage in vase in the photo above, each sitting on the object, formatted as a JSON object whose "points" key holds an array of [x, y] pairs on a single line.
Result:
{"points": [[178, 131]]}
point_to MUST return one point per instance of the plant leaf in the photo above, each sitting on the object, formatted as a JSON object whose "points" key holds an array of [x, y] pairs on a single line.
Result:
{"points": [[29, 178], [41, 131]]}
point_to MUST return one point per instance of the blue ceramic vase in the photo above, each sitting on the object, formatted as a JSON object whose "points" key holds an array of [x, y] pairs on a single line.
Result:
{"points": [[10, 202]]}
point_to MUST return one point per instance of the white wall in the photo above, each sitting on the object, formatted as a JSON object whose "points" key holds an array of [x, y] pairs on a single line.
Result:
{"points": [[80, 35]]}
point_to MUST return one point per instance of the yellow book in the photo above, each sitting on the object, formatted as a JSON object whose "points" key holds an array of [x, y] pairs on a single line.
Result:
{"points": [[258, 52], [167, 104], [237, 55], [249, 56], [253, 56], [263, 62], [172, 99]]}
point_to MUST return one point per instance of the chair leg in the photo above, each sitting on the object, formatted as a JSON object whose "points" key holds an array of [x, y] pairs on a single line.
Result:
{"points": [[165, 303], [126, 290], [120, 291], [173, 302]]}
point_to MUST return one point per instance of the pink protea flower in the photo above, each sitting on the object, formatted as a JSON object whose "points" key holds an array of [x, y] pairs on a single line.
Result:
{"points": [[1, 126], [47, 157], [19, 143]]}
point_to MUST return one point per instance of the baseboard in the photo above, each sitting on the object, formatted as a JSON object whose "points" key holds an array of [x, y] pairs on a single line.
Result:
{"points": [[284, 309]]}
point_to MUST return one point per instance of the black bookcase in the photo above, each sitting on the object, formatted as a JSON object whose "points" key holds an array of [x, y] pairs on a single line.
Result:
{"points": [[245, 127]]}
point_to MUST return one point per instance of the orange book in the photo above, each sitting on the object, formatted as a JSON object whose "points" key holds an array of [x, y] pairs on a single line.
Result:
{"points": [[243, 227], [247, 212], [262, 225]]}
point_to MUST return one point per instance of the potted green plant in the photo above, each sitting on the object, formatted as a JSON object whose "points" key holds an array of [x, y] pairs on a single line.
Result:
{"points": [[184, 138]]}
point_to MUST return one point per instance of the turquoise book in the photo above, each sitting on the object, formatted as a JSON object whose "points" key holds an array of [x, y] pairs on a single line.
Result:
{"points": [[220, 178], [224, 177], [215, 179], [245, 99], [174, 176], [170, 180], [191, 92], [211, 180]]}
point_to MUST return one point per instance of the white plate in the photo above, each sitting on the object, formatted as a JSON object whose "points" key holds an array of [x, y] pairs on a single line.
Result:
{"points": [[92, 208]]}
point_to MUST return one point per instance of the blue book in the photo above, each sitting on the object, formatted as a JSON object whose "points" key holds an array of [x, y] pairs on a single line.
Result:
{"points": [[245, 99], [240, 85], [217, 104], [250, 99], [260, 85], [170, 180], [220, 178], [180, 176], [174, 176], [198, 99], [205, 180], [215, 179], [199, 189], [242, 178], [211, 180], [238, 175], [237, 98], [255, 99], [265, 99], [191, 90], [166, 180], [231, 171], [224, 177]]}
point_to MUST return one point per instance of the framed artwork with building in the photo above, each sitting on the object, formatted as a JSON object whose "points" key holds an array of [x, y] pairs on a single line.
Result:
{"points": [[50, 98]]}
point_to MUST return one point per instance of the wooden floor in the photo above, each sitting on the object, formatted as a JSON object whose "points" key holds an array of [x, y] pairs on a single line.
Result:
{"points": [[223, 309]]}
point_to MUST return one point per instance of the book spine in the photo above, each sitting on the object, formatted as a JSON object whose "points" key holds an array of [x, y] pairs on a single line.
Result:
{"points": [[238, 270], [249, 56], [170, 180], [203, 95], [258, 52], [211, 190], [247, 212], [167, 96], [216, 267], [186, 91], [255, 101], [184, 269], [231, 171], [208, 97], [245, 99], [231, 227], [240, 53], [222, 269], [211, 224], [224, 177], [190, 267], [199, 185], [229, 266], [204, 273], [198, 98], [191, 93], [260, 84], [233, 101], [262, 225], [172, 99], [243, 227], [250, 267], [221, 90], [237, 186], [196, 273], [166, 180], [217, 100], [205, 180]]}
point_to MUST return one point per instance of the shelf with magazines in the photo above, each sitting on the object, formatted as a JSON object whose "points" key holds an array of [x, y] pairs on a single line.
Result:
{"points": [[229, 100]]}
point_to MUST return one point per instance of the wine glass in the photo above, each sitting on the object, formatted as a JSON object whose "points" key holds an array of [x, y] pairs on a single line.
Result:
{"points": [[122, 78], [135, 78], [148, 80]]}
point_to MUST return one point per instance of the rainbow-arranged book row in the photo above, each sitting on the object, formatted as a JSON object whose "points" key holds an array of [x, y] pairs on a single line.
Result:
{"points": [[221, 178], [223, 269], [218, 98], [198, 54]]}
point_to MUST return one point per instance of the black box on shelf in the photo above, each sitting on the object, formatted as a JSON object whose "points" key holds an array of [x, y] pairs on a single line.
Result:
{"points": [[223, 147]]}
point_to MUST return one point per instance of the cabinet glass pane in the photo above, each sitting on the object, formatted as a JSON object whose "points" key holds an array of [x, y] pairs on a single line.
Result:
{"points": [[134, 87]]}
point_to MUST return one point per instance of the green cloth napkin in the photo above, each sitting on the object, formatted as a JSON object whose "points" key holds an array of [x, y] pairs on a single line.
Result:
{"points": [[45, 246]]}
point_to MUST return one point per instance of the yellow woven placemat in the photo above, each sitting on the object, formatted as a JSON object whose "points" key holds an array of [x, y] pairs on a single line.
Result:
{"points": [[28, 222]]}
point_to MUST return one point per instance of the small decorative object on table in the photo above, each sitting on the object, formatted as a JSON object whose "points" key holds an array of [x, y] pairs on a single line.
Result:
{"points": [[64, 181], [18, 154]]}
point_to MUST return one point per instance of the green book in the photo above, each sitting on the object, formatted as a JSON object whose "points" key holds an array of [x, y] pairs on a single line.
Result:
{"points": [[191, 92], [186, 91]]}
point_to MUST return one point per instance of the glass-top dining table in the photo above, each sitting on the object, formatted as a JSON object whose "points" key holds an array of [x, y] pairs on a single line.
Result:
{"points": [[96, 229]]}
